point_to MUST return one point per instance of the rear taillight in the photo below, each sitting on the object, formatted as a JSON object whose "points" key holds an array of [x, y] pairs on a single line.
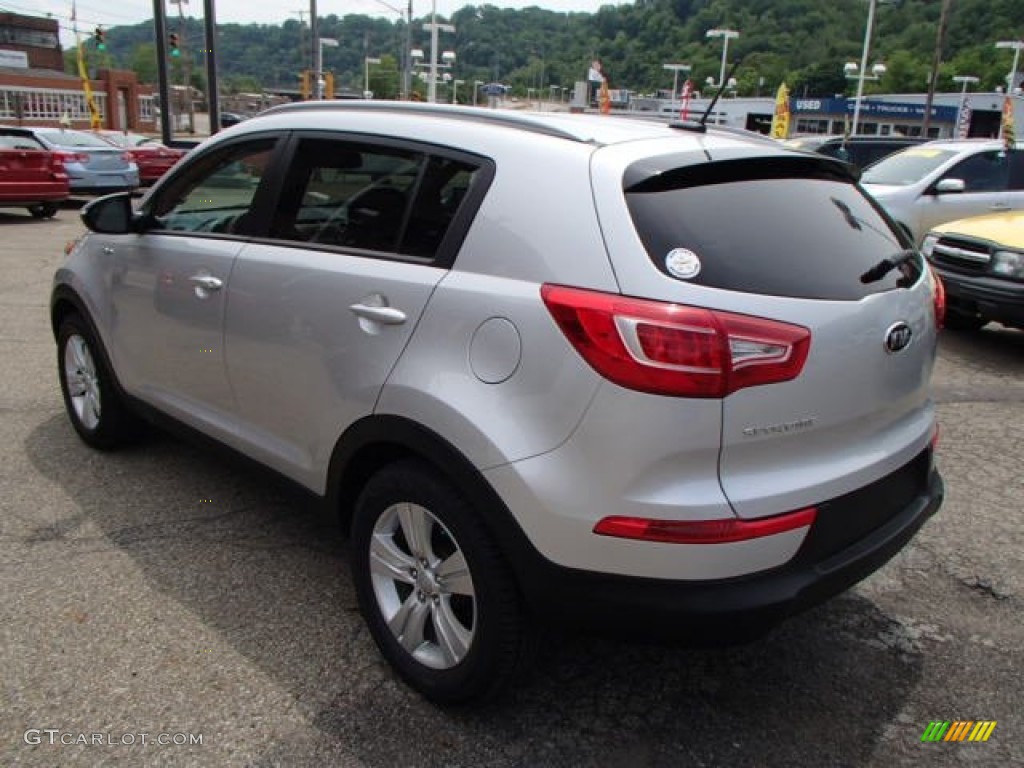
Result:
{"points": [[671, 349], [73, 157], [703, 531], [938, 298]]}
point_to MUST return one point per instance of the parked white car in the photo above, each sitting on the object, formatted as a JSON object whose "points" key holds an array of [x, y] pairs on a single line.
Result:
{"points": [[941, 181]]}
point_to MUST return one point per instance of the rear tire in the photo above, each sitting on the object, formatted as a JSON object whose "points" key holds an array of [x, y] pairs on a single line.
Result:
{"points": [[959, 321], [43, 210], [93, 402], [436, 593]]}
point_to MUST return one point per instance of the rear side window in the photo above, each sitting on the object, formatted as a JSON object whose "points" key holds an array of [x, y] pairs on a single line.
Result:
{"points": [[18, 141], [354, 194], [766, 226]]}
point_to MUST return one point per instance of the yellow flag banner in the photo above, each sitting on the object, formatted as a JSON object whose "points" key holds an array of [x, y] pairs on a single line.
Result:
{"points": [[94, 114], [780, 120], [1009, 138]]}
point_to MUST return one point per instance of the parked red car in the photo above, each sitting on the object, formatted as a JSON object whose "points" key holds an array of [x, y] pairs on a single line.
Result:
{"points": [[153, 158], [31, 176]]}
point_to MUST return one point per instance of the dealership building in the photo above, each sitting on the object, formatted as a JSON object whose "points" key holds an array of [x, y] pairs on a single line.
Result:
{"points": [[35, 90], [880, 115]]}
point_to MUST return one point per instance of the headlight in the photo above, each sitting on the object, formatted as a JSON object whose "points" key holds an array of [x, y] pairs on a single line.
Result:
{"points": [[1008, 264], [928, 244]]}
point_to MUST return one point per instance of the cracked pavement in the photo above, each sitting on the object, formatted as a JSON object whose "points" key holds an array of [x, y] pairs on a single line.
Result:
{"points": [[170, 589]]}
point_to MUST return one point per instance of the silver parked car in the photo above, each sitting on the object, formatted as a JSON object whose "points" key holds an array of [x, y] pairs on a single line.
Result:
{"points": [[940, 181], [646, 378], [93, 165]]}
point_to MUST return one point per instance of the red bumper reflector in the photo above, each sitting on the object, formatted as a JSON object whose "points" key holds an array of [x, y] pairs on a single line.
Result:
{"points": [[703, 531]]}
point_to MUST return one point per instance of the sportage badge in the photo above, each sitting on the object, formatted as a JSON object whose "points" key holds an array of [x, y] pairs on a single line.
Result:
{"points": [[898, 337]]}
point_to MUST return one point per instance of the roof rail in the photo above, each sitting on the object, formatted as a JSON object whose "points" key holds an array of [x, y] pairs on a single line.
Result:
{"points": [[523, 122]]}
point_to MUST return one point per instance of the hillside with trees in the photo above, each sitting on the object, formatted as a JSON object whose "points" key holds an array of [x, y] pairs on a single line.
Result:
{"points": [[804, 42]]}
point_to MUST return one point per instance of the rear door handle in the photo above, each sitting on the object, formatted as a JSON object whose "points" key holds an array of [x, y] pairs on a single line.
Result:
{"points": [[382, 315], [207, 282]]}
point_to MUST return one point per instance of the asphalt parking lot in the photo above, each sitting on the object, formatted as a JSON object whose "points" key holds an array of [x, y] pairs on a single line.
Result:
{"points": [[172, 592]]}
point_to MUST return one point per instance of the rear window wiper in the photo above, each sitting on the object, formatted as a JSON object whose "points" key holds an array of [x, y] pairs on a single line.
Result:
{"points": [[885, 266]]}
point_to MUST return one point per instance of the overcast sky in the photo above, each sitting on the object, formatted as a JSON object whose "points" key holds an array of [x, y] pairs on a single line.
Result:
{"points": [[112, 14]]}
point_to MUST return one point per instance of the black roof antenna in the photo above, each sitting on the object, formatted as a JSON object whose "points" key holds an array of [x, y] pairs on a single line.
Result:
{"points": [[721, 89]]}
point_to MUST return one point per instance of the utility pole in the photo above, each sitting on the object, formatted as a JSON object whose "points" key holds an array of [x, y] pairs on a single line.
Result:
{"points": [[940, 41], [302, 37], [314, 35], [186, 63]]}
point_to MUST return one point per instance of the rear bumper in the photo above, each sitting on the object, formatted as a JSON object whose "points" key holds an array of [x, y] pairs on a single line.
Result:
{"points": [[104, 183], [992, 298], [733, 608]]}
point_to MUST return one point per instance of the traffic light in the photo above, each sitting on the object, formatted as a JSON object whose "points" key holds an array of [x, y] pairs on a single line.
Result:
{"points": [[175, 44], [306, 84], [328, 85], [100, 37]]}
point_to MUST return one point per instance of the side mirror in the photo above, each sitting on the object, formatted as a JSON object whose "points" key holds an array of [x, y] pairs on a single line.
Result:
{"points": [[950, 186], [111, 215]]}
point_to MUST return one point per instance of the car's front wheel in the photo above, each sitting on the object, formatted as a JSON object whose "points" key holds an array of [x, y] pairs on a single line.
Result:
{"points": [[438, 597], [96, 409]]}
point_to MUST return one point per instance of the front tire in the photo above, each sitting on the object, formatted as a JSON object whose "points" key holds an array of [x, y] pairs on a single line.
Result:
{"points": [[438, 597], [94, 404]]}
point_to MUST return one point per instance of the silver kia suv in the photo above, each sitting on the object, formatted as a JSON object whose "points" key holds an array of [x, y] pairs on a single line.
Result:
{"points": [[642, 377]]}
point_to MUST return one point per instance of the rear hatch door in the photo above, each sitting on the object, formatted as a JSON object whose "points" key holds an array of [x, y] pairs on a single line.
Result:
{"points": [[790, 239]]}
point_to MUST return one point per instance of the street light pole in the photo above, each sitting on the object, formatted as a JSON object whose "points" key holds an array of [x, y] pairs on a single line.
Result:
{"points": [[863, 66], [1016, 45], [330, 42], [675, 69], [726, 35], [434, 28]]}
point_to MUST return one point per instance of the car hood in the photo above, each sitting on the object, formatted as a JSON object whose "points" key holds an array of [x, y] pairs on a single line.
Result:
{"points": [[1002, 228]]}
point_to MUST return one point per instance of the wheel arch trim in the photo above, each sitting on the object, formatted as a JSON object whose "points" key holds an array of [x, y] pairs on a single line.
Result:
{"points": [[379, 439]]}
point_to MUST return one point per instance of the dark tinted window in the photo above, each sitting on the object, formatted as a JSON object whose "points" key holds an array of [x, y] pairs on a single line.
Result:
{"points": [[1017, 169], [217, 192], [984, 172], [768, 227], [369, 197], [442, 191]]}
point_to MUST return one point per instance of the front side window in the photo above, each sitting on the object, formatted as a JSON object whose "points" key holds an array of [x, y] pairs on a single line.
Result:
{"points": [[906, 167], [216, 192]]}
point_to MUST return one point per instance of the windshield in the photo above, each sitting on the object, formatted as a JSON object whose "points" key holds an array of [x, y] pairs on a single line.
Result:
{"points": [[74, 139], [906, 167]]}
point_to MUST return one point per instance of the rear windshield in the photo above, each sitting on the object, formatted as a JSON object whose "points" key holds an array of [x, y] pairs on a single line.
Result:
{"points": [[906, 167], [767, 226], [74, 139]]}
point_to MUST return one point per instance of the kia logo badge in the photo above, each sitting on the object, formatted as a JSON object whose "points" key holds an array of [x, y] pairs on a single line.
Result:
{"points": [[898, 338]]}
